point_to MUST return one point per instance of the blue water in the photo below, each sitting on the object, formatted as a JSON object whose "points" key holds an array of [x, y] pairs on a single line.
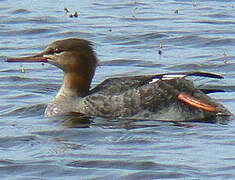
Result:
{"points": [[201, 36]]}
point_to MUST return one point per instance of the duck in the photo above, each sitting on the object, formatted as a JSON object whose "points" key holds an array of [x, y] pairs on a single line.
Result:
{"points": [[164, 97]]}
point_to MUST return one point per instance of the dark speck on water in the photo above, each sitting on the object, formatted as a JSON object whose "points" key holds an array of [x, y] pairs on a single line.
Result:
{"points": [[75, 14], [197, 36], [66, 10]]}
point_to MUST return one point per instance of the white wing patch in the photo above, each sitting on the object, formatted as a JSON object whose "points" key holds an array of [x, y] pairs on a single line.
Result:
{"points": [[173, 76], [154, 81], [167, 77]]}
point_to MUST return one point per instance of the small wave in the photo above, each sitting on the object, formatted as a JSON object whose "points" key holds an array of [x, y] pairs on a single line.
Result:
{"points": [[144, 19], [30, 31], [199, 41], [221, 67], [221, 59], [72, 34], [214, 22], [153, 35], [100, 17], [135, 39], [14, 141], [120, 62], [21, 11], [126, 62], [127, 165], [218, 15], [189, 40], [35, 20], [19, 78], [218, 42], [29, 111], [113, 5]]}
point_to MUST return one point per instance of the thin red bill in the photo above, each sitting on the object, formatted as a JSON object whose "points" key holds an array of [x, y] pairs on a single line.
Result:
{"points": [[27, 59]]}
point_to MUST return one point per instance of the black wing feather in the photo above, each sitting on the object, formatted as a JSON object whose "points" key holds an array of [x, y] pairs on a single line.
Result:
{"points": [[118, 85]]}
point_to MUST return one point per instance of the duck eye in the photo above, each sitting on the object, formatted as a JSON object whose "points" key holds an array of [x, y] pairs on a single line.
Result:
{"points": [[50, 51], [57, 51]]}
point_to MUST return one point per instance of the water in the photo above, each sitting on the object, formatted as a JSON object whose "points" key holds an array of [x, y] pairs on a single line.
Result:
{"points": [[35, 147]]}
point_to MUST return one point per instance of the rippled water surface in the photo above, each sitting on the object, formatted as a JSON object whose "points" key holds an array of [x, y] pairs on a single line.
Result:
{"points": [[127, 34]]}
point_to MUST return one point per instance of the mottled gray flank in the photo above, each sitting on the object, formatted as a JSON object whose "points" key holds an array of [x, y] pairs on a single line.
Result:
{"points": [[136, 98]]}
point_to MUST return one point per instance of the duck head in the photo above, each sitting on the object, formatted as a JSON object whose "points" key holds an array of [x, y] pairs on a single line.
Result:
{"points": [[74, 56]]}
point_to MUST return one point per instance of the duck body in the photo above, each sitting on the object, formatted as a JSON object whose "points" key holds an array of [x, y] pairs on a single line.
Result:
{"points": [[166, 97], [138, 97]]}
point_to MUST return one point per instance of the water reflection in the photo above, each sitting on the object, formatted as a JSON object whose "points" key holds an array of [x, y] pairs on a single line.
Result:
{"points": [[77, 120], [73, 120]]}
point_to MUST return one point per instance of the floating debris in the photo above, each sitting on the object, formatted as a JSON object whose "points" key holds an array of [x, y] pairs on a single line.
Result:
{"points": [[135, 3], [66, 10], [160, 52], [176, 11], [160, 48], [23, 69], [134, 12], [75, 14], [71, 15], [110, 29], [135, 8], [225, 58]]}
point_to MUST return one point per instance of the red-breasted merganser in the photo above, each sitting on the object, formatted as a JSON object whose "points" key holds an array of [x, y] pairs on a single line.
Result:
{"points": [[167, 97]]}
